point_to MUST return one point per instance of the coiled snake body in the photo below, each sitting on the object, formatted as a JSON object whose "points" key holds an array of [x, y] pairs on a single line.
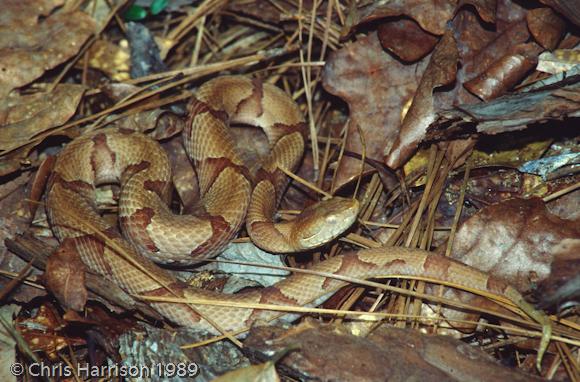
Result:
{"points": [[229, 194]]}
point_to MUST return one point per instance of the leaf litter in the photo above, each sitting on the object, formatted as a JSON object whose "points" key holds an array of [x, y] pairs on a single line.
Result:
{"points": [[451, 121]]}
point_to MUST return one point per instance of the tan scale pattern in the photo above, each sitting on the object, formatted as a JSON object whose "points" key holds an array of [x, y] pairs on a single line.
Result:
{"points": [[71, 210]]}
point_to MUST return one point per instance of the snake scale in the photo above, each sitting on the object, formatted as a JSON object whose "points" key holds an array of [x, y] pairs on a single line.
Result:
{"points": [[231, 194]]}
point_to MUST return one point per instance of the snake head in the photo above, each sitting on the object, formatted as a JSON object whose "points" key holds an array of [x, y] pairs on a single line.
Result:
{"points": [[324, 221]]}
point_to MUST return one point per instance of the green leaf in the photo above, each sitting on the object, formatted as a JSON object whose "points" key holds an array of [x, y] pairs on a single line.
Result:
{"points": [[135, 13], [157, 6]]}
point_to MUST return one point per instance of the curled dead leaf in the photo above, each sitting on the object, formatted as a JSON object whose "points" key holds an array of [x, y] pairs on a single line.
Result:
{"points": [[65, 276], [440, 71], [506, 72]]}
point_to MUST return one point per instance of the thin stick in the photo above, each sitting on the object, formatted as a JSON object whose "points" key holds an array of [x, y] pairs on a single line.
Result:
{"points": [[198, 40], [563, 191], [305, 182], [395, 226]]}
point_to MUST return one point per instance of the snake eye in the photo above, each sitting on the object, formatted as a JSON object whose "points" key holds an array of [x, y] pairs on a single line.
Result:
{"points": [[330, 219]]}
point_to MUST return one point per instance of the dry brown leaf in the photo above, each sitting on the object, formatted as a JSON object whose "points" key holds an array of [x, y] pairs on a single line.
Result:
{"points": [[376, 87], [566, 206], [406, 39], [24, 116], [505, 72], [491, 185], [567, 8], [473, 35], [494, 47], [478, 46], [440, 71], [13, 162], [509, 12], [164, 123], [546, 27], [485, 8], [102, 325], [515, 240], [30, 45], [507, 56], [431, 15], [481, 46], [38, 183], [563, 285], [15, 218], [65, 276], [487, 185], [331, 353]]}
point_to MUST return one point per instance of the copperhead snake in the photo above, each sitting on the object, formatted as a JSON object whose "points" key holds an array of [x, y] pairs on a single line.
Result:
{"points": [[230, 193]]}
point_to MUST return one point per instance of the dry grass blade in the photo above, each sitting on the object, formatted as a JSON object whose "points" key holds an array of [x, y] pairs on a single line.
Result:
{"points": [[192, 75], [303, 310], [88, 44], [31, 280], [568, 361], [20, 341], [305, 182], [134, 262], [506, 303], [458, 209], [294, 44], [190, 22], [561, 192], [20, 277]]}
